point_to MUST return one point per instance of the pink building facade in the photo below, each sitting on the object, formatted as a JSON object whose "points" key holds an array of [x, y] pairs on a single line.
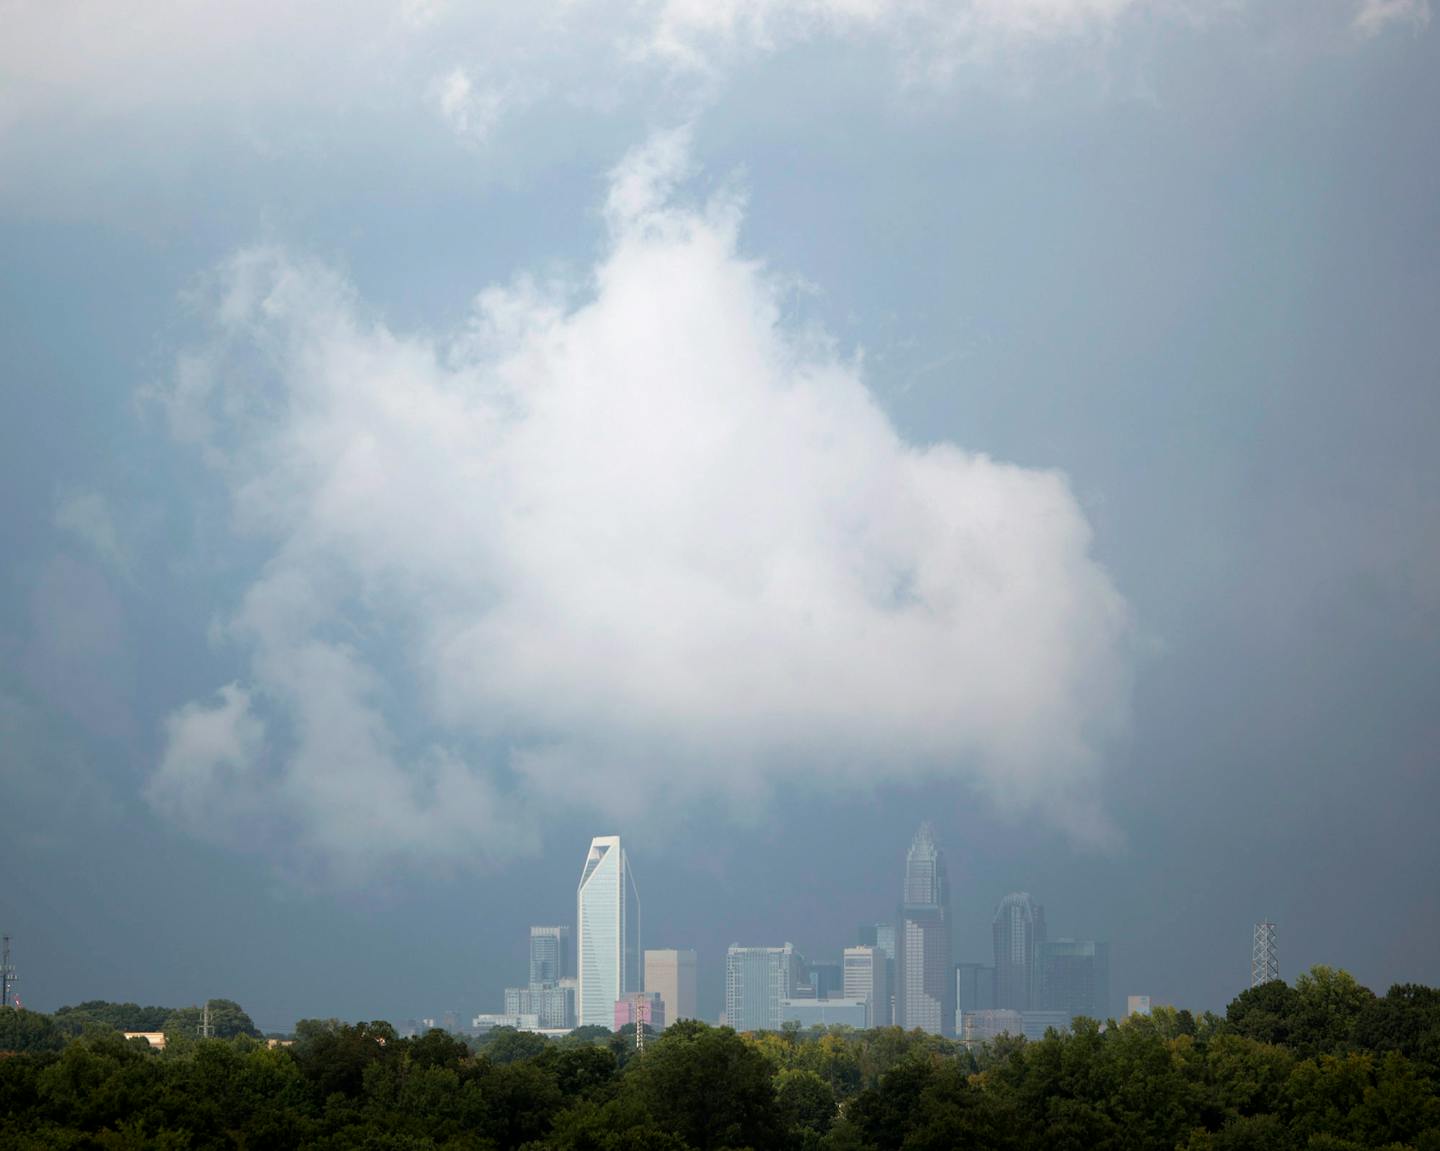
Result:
{"points": [[640, 1007]]}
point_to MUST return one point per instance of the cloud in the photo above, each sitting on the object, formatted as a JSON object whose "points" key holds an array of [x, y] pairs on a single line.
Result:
{"points": [[86, 515], [469, 112], [692, 32], [208, 775], [619, 546], [1377, 15]]}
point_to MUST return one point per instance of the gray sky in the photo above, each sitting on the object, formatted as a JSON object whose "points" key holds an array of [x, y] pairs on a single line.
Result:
{"points": [[434, 434]]}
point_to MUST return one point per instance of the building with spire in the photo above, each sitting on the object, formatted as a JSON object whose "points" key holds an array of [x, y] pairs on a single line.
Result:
{"points": [[924, 977], [607, 931]]}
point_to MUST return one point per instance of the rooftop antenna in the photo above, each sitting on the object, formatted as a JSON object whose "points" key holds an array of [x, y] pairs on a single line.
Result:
{"points": [[1264, 955], [7, 975]]}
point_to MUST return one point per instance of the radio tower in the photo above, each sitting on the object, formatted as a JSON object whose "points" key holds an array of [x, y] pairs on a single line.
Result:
{"points": [[1264, 955], [7, 974]]}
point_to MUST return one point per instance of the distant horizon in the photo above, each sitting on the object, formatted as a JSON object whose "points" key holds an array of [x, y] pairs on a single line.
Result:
{"points": [[430, 432]]}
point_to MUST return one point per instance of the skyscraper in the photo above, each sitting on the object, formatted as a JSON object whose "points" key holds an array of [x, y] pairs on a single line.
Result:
{"points": [[865, 979], [671, 975], [756, 980], [1075, 977], [549, 955], [882, 937], [608, 932], [925, 981], [1019, 929]]}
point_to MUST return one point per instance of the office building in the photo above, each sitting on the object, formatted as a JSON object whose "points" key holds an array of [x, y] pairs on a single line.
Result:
{"points": [[974, 987], [1019, 929], [979, 1026], [1137, 1005], [1034, 1024], [882, 937], [836, 1012], [671, 974], [550, 959], [607, 932], [517, 1001], [1075, 977], [924, 977], [756, 980], [865, 980], [640, 1007], [828, 979]]}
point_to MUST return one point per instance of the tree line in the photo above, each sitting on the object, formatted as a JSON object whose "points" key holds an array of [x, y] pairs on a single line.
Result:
{"points": [[1325, 1065]]}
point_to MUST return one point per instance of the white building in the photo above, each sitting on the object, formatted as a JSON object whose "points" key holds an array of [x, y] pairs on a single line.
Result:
{"points": [[607, 933], [864, 978]]}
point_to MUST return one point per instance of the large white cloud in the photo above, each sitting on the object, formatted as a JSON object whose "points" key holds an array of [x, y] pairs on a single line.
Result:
{"points": [[619, 546]]}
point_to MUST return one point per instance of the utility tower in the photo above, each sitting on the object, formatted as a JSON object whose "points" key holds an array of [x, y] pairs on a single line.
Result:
{"points": [[1264, 955], [205, 1032], [7, 974]]}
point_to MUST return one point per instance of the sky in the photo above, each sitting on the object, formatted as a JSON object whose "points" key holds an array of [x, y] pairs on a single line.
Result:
{"points": [[432, 434]]}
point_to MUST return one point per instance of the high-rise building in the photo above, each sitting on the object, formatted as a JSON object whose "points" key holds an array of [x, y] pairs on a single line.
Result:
{"points": [[827, 978], [924, 978], [1019, 929], [756, 980], [549, 955], [607, 932], [882, 937], [1137, 1005], [974, 987], [551, 966], [671, 974], [865, 980], [1075, 977]]}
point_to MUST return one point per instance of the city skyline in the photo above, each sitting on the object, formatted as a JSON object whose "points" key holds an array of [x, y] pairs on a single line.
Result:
{"points": [[768, 985], [432, 434]]}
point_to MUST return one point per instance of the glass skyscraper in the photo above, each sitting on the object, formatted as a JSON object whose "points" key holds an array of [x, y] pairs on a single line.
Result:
{"points": [[608, 933], [1019, 929], [924, 978], [756, 980], [549, 955], [1074, 977]]}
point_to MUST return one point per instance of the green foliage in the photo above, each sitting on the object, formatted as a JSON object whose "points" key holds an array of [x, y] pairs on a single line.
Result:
{"points": [[506, 1045], [227, 1020], [22, 1030], [111, 1017], [709, 1087], [1323, 1066]]}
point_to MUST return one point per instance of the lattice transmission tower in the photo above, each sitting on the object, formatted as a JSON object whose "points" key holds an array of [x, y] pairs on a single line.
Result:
{"points": [[1264, 955], [8, 978]]}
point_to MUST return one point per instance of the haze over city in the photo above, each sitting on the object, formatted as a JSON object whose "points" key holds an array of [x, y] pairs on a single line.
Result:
{"points": [[434, 436]]}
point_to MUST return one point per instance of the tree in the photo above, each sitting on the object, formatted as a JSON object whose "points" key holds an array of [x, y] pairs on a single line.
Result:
{"points": [[1328, 1005], [112, 1016], [227, 1020], [806, 1101], [709, 1087], [437, 1048], [22, 1030], [507, 1045], [1265, 1013], [1406, 1020]]}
